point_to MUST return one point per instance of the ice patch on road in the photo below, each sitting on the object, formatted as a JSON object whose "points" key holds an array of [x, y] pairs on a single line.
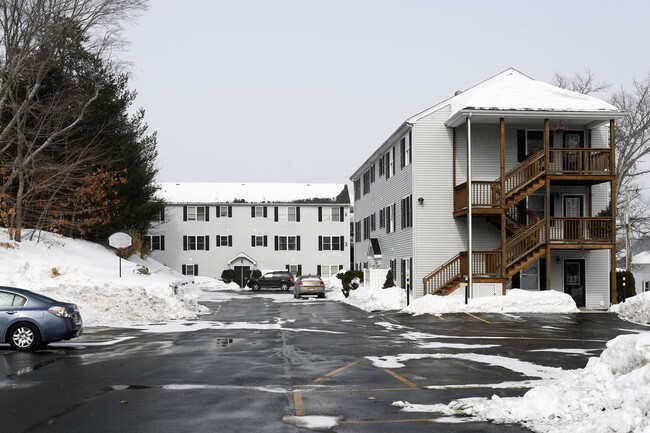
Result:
{"points": [[313, 422]]}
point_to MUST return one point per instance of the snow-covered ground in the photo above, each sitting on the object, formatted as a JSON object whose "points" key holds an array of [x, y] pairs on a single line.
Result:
{"points": [[611, 394]]}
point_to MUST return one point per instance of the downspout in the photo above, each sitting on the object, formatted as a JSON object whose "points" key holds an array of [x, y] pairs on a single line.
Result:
{"points": [[469, 206]]}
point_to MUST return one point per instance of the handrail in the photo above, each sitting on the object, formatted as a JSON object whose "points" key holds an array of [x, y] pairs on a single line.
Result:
{"points": [[524, 173], [581, 160], [445, 273], [581, 230], [525, 242]]}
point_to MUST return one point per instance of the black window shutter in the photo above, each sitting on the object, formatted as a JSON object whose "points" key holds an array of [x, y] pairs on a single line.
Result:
{"points": [[207, 242], [196, 270], [320, 214], [386, 163], [218, 212], [252, 211], [230, 240], [276, 242], [320, 243], [229, 211], [287, 266], [276, 214], [162, 243], [342, 244], [521, 145], [298, 242], [402, 148], [184, 243], [342, 214], [298, 214], [184, 270], [162, 216], [410, 146], [265, 213], [318, 270], [207, 213], [340, 267], [265, 240], [252, 240], [299, 269], [218, 240], [184, 213]]}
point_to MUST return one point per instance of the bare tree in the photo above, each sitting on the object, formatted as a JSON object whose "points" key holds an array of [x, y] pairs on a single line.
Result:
{"points": [[632, 140], [38, 108]]}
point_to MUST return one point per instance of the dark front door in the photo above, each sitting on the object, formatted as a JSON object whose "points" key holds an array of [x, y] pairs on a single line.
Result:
{"points": [[242, 275], [574, 280]]}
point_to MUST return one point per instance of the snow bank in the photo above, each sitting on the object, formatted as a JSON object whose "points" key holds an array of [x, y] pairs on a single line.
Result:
{"points": [[393, 298], [516, 301], [611, 394], [87, 274], [635, 309]]}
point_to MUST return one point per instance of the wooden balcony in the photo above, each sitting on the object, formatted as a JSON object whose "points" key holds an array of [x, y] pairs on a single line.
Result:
{"points": [[583, 232], [580, 162]]}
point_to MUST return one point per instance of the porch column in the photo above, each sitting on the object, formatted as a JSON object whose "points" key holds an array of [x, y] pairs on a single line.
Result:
{"points": [[503, 203], [468, 126], [547, 206], [612, 146]]}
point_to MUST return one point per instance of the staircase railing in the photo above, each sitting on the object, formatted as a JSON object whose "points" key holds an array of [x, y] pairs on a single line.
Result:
{"points": [[445, 274], [524, 173], [525, 242]]}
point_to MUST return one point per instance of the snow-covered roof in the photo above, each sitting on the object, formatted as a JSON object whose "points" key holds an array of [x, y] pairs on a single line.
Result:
{"points": [[513, 91], [200, 192], [643, 258]]}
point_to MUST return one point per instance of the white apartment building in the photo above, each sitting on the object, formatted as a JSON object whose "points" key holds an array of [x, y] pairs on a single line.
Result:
{"points": [[209, 227]]}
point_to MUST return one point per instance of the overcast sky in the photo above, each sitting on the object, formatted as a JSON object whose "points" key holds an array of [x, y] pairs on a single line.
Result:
{"points": [[304, 91]]}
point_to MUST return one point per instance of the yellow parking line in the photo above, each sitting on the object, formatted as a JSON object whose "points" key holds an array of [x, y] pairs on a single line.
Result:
{"points": [[218, 309], [482, 320], [400, 378], [297, 400], [313, 314], [338, 370]]}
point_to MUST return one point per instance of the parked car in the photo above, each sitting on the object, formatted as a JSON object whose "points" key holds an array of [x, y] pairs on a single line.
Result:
{"points": [[281, 279], [309, 285], [29, 320]]}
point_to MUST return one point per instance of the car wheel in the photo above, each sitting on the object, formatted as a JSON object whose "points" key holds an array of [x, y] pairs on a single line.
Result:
{"points": [[284, 286], [24, 337], [255, 286]]}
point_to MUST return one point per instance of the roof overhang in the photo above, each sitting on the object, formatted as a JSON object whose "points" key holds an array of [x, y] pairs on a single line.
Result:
{"points": [[403, 129], [592, 118], [242, 256]]}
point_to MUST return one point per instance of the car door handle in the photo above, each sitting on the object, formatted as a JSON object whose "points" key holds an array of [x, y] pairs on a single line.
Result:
{"points": [[10, 312]]}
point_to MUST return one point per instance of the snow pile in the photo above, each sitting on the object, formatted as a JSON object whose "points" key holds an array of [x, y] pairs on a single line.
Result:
{"points": [[208, 284], [611, 394], [515, 301], [87, 274], [635, 309], [364, 298]]}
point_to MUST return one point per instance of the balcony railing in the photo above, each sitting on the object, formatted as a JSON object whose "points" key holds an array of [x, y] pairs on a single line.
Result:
{"points": [[484, 194], [580, 161], [581, 230]]}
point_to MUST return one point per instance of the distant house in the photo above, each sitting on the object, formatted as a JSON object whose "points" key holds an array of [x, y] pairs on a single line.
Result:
{"points": [[641, 271], [541, 169], [209, 227]]}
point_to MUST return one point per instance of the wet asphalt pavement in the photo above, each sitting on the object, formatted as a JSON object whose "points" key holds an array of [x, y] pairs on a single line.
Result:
{"points": [[259, 360]]}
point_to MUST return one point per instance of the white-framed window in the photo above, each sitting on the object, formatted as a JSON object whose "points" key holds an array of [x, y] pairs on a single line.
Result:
{"points": [[390, 163], [190, 269], [366, 182], [288, 214], [287, 243], [259, 241], [259, 211], [294, 269], [407, 212], [390, 218], [156, 242], [160, 217], [223, 211], [195, 213], [330, 214], [224, 240], [327, 271], [331, 243], [196, 243]]}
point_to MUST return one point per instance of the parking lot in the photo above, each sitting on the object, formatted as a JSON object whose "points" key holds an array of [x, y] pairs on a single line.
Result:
{"points": [[259, 361]]}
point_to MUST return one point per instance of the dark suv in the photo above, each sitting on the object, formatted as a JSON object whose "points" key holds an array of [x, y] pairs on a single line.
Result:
{"points": [[281, 279]]}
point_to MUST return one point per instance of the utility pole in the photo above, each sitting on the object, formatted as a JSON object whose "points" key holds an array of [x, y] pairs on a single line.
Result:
{"points": [[628, 243]]}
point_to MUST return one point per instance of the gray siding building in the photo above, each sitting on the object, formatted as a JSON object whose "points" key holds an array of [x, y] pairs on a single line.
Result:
{"points": [[541, 175]]}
